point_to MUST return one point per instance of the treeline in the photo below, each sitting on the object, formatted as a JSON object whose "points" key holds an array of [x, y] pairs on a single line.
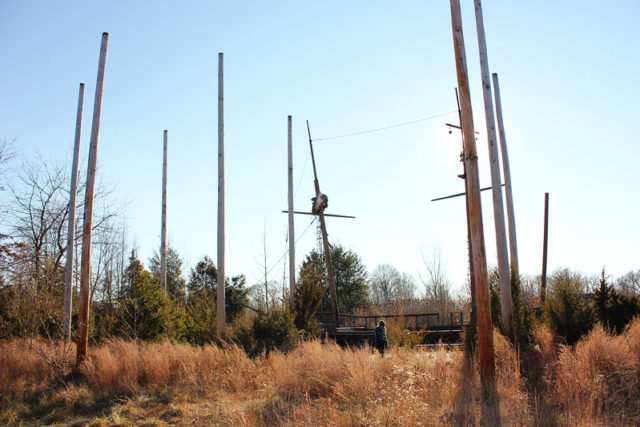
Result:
{"points": [[126, 299], [574, 304]]}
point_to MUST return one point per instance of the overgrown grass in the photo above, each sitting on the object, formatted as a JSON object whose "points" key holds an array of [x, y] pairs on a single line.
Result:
{"points": [[124, 382]]}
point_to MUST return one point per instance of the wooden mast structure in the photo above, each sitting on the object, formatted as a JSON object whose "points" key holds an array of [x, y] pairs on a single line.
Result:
{"points": [[85, 265], [292, 235], [498, 204], [325, 240], [220, 293], [163, 226], [71, 230], [485, 328]]}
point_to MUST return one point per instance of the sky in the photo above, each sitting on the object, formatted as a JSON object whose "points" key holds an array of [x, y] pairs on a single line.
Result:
{"points": [[569, 81]]}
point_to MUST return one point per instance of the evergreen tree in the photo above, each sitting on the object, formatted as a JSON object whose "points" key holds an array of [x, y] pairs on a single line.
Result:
{"points": [[146, 313], [203, 275], [602, 301], [565, 309], [350, 277], [308, 298], [274, 330], [494, 299], [202, 287], [614, 310], [175, 281], [132, 272], [201, 318], [522, 312]]}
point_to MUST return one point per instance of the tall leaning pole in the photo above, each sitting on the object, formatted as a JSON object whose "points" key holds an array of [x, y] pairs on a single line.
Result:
{"points": [[220, 279], [85, 264], [292, 236], [508, 190], [498, 204], [485, 328], [163, 225], [71, 230]]}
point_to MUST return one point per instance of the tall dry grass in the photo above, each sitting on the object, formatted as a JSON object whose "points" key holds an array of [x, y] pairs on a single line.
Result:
{"points": [[600, 377], [128, 367], [30, 367], [597, 382]]}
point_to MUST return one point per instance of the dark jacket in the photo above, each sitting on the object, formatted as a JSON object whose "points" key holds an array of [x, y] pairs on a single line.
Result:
{"points": [[380, 337]]}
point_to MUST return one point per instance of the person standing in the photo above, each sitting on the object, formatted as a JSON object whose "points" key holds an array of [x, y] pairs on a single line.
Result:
{"points": [[381, 337]]}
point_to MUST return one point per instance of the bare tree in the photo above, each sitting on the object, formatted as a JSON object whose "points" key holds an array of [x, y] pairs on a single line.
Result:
{"points": [[435, 281], [7, 152], [405, 288], [38, 211], [36, 218], [629, 283], [268, 294], [387, 284], [382, 283]]}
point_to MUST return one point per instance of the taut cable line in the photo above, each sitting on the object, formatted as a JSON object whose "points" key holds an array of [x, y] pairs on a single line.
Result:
{"points": [[424, 119]]}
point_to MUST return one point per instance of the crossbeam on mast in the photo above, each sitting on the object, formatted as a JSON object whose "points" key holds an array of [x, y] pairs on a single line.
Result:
{"points": [[310, 213], [456, 195]]}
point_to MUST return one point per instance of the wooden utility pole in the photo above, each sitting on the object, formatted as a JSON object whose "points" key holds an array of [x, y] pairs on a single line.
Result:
{"points": [[543, 279], [485, 328], [220, 279], [508, 190], [292, 235], [85, 265], [163, 226], [498, 205], [473, 324], [325, 240], [71, 230]]}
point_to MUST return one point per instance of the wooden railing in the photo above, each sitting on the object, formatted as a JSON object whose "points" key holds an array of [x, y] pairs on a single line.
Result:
{"points": [[416, 321]]}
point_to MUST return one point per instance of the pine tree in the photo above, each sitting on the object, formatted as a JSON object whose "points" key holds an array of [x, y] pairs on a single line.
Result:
{"points": [[350, 277], [146, 313], [202, 287], [614, 310], [175, 282], [308, 298], [565, 309]]}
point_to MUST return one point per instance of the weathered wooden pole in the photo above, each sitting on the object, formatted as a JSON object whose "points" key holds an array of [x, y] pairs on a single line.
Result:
{"points": [[498, 205], [543, 279], [485, 328], [325, 241], [220, 279], [292, 235], [473, 321], [163, 226], [85, 265], [71, 230], [508, 189]]}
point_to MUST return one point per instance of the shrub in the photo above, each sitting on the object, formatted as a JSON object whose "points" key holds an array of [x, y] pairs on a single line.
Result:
{"points": [[308, 298], [201, 318], [274, 330], [147, 314], [399, 334], [565, 309], [614, 310]]}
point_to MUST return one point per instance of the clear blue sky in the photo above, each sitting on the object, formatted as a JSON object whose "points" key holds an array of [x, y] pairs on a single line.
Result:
{"points": [[570, 89]]}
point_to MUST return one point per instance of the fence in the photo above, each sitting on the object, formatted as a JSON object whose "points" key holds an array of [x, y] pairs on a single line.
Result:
{"points": [[452, 320]]}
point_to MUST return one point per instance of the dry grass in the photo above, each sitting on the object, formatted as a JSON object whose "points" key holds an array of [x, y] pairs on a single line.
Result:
{"points": [[600, 377], [124, 382]]}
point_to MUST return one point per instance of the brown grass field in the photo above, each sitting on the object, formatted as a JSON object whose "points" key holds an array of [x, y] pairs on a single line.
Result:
{"points": [[597, 382]]}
